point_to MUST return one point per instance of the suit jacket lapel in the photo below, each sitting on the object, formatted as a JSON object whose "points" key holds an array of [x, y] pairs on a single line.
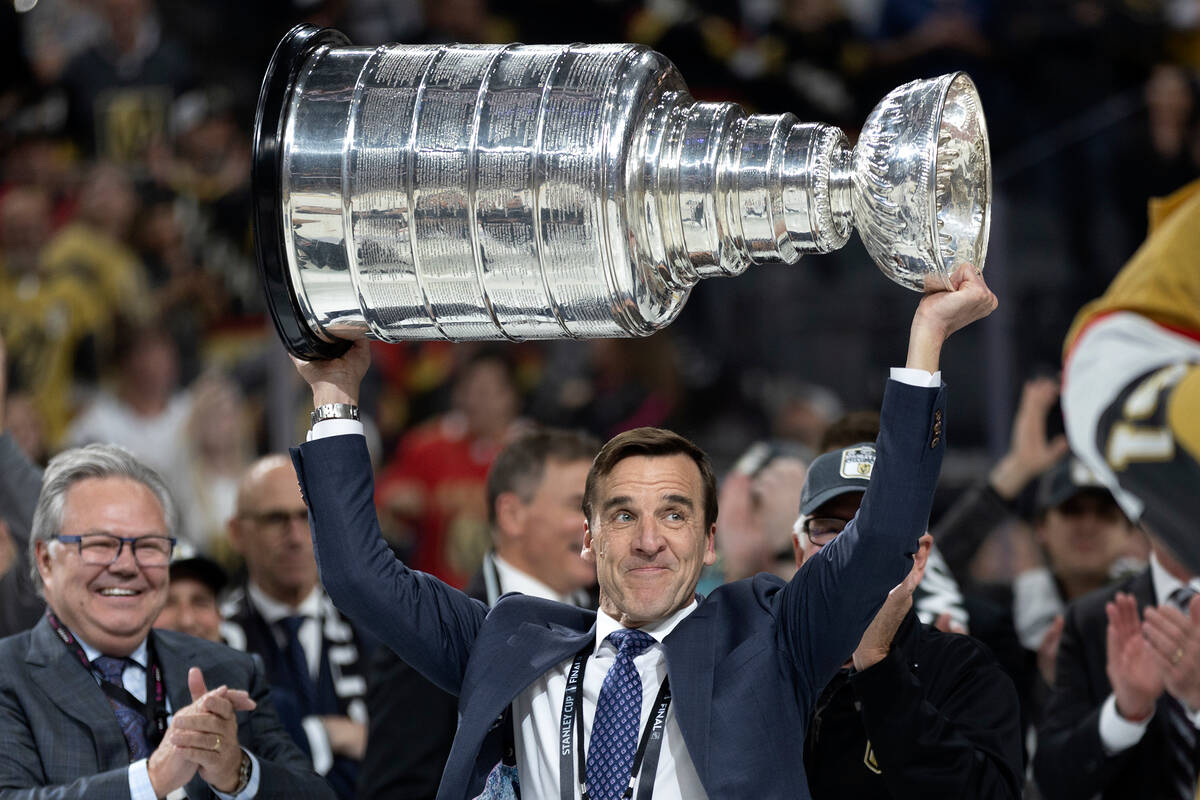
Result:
{"points": [[533, 649], [690, 666], [58, 672], [174, 664]]}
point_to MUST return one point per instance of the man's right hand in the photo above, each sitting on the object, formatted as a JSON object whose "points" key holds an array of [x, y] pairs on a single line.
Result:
{"points": [[1030, 452], [337, 380], [1132, 670], [169, 768]]}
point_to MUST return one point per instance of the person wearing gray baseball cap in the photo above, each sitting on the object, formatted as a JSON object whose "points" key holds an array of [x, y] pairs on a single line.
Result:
{"points": [[916, 711]]}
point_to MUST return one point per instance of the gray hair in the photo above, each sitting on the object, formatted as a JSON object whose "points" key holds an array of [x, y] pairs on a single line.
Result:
{"points": [[93, 461]]}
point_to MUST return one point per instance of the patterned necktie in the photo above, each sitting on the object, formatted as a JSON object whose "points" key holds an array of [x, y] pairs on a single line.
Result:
{"points": [[1181, 734], [297, 664], [133, 724], [618, 716]]}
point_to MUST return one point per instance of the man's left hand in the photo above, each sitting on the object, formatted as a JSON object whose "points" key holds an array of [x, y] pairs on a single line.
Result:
{"points": [[940, 314], [347, 737], [1175, 642], [206, 730]]}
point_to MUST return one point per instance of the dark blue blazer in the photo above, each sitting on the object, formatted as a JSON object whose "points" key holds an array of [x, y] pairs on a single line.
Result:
{"points": [[745, 667]]}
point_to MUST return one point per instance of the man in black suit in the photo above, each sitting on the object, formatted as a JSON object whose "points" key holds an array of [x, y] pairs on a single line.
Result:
{"points": [[93, 703], [315, 657], [915, 712], [535, 500], [1122, 720]]}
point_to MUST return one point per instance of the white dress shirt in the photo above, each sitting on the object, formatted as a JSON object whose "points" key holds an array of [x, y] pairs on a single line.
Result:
{"points": [[272, 611], [512, 579], [1117, 733], [134, 681], [537, 711]]}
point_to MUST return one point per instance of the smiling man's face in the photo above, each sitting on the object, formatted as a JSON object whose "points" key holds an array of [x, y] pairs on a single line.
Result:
{"points": [[647, 537], [109, 607]]}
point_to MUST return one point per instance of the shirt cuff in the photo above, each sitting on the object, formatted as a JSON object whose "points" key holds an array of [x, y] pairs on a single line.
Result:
{"points": [[140, 787], [251, 789], [917, 377], [318, 744], [1194, 716], [335, 427], [1118, 734]]}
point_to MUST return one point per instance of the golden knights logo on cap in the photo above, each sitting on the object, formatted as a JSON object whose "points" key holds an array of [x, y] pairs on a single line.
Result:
{"points": [[857, 462]]}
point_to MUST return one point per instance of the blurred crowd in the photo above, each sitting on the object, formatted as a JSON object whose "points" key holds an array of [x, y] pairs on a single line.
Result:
{"points": [[131, 310]]}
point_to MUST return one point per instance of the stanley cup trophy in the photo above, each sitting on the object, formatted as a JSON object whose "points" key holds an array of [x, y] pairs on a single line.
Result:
{"points": [[471, 192]]}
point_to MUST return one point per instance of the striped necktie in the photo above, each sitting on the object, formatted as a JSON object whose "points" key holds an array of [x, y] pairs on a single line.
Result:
{"points": [[1182, 737]]}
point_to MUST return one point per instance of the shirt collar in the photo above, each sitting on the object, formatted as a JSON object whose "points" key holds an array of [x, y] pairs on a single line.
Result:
{"points": [[1165, 584], [138, 656], [516, 580], [658, 630], [272, 610]]}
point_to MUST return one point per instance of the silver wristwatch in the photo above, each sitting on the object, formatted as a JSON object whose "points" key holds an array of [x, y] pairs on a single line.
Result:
{"points": [[334, 411]]}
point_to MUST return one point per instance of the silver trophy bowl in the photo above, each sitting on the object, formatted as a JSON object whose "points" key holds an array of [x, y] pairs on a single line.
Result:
{"points": [[475, 192]]}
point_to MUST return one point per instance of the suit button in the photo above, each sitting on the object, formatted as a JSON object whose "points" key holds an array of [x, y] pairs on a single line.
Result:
{"points": [[934, 442], [937, 414]]}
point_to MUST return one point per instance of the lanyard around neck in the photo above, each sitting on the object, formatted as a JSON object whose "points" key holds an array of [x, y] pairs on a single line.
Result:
{"points": [[154, 710], [571, 736]]}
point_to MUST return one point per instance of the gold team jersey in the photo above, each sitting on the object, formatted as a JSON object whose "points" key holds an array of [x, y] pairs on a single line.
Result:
{"points": [[1162, 279]]}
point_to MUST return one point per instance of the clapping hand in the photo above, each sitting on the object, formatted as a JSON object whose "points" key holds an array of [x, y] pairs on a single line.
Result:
{"points": [[202, 737], [1174, 640], [1133, 670]]}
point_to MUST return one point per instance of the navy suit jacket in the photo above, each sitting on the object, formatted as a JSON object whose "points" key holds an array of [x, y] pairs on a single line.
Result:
{"points": [[745, 667], [59, 737]]}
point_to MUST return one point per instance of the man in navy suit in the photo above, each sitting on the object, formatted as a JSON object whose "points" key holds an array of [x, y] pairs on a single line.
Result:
{"points": [[657, 691]]}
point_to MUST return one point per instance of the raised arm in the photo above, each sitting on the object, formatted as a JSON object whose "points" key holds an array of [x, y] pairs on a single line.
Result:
{"points": [[835, 595], [429, 624]]}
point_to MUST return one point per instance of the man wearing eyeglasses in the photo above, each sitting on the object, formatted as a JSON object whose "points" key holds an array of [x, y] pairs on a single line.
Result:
{"points": [[95, 704], [915, 712], [314, 656]]}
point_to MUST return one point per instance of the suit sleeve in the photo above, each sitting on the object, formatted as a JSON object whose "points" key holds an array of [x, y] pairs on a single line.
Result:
{"points": [[962, 742], [826, 607], [20, 759], [285, 773], [430, 625], [1070, 762]]}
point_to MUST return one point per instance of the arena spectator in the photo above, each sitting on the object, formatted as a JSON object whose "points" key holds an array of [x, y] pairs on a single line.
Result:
{"points": [[98, 704], [1121, 721], [144, 410], [120, 87], [432, 490], [192, 607], [315, 658], [20, 482], [916, 712]]}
